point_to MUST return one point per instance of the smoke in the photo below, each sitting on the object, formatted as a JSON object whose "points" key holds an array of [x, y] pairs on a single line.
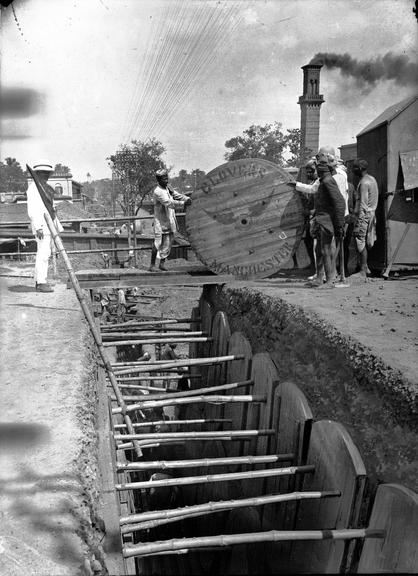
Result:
{"points": [[367, 73]]}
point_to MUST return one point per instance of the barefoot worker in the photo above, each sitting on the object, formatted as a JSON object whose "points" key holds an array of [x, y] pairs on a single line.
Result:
{"points": [[165, 224], [367, 196], [36, 209], [330, 209]]}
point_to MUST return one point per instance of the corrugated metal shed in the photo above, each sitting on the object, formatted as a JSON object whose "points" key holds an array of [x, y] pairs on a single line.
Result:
{"points": [[389, 114]]}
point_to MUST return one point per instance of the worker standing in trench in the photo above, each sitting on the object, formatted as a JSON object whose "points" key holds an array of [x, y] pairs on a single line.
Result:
{"points": [[165, 224], [36, 210]]}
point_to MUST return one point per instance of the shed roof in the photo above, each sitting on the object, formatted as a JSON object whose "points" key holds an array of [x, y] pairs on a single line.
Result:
{"points": [[389, 114]]}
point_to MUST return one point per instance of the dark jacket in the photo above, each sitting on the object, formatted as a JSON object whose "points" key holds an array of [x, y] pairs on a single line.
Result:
{"points": [[330, 206]]}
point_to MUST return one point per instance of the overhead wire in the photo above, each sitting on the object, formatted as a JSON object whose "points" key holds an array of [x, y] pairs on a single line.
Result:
{"points": [[199, 46], [189, 40], [169, 20], [149, 69], [208, 43], [176, 61], [176, 65]]}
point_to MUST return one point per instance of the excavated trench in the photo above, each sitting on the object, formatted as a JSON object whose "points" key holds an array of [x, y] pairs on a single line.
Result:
{"points": [[274, 343]]}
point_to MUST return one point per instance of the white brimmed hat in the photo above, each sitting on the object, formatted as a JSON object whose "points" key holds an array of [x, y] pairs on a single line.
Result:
{"points": [[43, 166]]}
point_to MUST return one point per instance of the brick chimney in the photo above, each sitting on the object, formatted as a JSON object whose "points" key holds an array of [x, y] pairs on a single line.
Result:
{"points": [[310, 104]]}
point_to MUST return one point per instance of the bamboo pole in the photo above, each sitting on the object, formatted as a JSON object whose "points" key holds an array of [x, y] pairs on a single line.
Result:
{"points": [[186, 435], [139, 330], [156, 321], [139, 335], [161, 365], [159, 341], [202, 462], [250, 538], [194, 392], [153, 519], [174, 422], [198, 438], [138, 387], [90, 320], [194, 399], [169, 376], [188, 480]]}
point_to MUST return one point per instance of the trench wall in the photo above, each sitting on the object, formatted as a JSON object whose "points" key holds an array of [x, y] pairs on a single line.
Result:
{"points": [[341, 379]]}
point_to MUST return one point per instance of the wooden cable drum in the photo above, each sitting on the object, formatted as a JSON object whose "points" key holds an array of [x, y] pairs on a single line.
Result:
{"points": [[246, 219]]}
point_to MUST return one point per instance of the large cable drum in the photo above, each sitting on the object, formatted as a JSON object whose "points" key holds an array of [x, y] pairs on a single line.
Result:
{"points": [[245, 219]]}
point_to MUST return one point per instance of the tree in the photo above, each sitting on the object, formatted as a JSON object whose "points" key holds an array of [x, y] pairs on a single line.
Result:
{"points": [[135, 166], [12, 177], [62, 170], [293, 145], [267, 142], [186, 182]]}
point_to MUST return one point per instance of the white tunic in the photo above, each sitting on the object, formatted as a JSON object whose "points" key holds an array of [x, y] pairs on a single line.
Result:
{"points": [[165, 202]]}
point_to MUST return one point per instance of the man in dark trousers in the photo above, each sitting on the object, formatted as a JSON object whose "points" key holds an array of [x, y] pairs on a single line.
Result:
{"points": [[329, 215]]}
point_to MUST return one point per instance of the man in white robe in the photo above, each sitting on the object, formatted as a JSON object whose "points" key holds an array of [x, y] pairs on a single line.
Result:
{"points": [[166, 200]]}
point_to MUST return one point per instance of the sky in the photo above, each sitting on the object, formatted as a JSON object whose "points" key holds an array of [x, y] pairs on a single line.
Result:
{"points": [[192, 73]]}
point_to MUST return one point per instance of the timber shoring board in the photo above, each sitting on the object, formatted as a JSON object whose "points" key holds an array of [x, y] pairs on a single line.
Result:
{"points": [[221, 334], [292, 418], [242, 368], [242, 559], [194, 348], [265, 377], [395, 510], [338, 466], [109, 504]]}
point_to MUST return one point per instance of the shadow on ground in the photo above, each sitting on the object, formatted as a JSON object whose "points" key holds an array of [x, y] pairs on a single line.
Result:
{"points": [[21, 288]]}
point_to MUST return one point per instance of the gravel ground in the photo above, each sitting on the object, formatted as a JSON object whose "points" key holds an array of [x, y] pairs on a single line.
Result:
{"points": [[48, 469]]}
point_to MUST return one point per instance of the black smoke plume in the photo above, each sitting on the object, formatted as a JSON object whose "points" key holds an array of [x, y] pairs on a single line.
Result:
{"points": [[391, 66]]}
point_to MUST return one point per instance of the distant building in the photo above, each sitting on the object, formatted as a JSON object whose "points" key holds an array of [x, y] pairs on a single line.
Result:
{"points": [[65, 188]]}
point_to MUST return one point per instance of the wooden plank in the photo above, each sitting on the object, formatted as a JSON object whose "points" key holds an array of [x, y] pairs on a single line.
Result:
{"points": [[338, 466], [207, 315], [265, 377], [395, 510], [113, 273], [154, 279], [238, 413], [243, 558], [194, 347], [219, 346], [245, 219], [292, 418], [108, 503]]}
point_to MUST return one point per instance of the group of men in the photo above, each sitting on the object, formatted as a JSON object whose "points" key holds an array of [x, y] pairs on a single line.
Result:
{"points": [[339, 212]]}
